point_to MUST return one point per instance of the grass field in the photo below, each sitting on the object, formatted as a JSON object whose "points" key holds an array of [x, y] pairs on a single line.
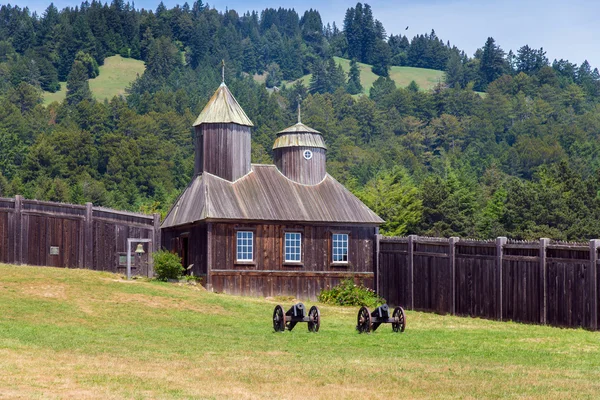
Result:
{"points": [[83, 334], [115, 75], [425, 78]]}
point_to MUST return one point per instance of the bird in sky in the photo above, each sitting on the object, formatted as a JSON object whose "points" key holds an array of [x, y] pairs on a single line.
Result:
{"points": [[406, 28]]}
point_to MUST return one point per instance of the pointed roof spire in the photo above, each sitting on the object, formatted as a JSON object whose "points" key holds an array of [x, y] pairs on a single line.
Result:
{"points": [[223, 71], [223, 108], [299, 113]]}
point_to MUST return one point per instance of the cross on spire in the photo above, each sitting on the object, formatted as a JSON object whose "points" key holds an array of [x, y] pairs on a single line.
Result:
{"points": [[299, 113], [223, 71]]}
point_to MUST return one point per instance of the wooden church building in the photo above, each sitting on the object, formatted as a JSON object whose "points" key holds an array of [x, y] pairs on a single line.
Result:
{"points": [[267, 230]]}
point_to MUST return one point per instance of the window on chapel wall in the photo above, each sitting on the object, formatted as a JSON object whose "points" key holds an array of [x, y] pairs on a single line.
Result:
{"points": [[339, 248], [245, 246], [293, 247]]}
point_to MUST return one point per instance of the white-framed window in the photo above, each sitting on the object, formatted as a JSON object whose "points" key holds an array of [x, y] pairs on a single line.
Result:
{"points": [[245, 245], [308, 154], [293, 247], [339, 248]]}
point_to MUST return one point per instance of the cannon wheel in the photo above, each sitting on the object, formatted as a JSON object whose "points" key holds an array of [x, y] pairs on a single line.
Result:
{"points": [[314, 319], [278, 319], [363, 321], [401, 324]]}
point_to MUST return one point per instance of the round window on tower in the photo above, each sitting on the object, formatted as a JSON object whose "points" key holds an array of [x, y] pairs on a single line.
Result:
{"points": [[307, 154]]}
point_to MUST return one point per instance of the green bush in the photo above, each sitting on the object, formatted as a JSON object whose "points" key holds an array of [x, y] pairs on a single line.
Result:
{"points": [[347, 293], [167, 265]]}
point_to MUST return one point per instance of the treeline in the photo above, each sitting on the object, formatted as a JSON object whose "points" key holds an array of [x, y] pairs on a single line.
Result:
{"points": [[522, 161]]}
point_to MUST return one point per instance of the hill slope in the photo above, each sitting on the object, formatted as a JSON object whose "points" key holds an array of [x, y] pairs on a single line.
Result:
{"points": [[115, 75], [84, 334], [425, 78]]}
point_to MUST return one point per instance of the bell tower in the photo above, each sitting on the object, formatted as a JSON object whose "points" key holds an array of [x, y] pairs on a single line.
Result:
{"points": [[222, 136]]}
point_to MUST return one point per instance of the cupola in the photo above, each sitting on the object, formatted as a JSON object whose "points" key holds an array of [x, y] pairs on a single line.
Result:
{"points": [[300, 153]]}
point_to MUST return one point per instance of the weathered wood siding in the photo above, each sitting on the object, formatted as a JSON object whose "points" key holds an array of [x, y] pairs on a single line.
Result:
{"points": [[291, 162], [85, 236], [269, 275], [196, 235], [534, 282], [223, 150]]}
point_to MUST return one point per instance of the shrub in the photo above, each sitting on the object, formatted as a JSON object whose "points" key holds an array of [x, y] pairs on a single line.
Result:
{"points": [[167, 265], [347, 293]]}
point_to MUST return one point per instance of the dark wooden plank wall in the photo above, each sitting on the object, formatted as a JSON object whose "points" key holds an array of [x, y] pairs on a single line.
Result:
{"points": [[570, 300], [394, 272], [533, 282], [172, 239], [476, 283], [432, 275], [269, 275], [86, 236]]}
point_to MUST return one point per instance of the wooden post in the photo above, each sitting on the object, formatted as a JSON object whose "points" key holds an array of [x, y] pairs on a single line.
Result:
{"points": [[594, 245], [156, 237], [500, 242], [452, 254], [544, 289], [377, 272], [18, 230], [209, 250], [411, 268], [88, 229]]}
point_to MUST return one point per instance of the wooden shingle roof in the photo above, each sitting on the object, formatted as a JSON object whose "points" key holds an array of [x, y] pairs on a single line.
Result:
{"points": [[223, 108], [265, 194], [299, 135]]}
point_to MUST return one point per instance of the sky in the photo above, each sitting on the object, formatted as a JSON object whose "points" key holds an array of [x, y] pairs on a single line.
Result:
{"points": [[567, 30]]}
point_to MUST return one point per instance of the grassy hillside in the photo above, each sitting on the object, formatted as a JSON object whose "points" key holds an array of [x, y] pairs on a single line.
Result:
{"points": [[425, 78], [84, 334], [115, 75]]}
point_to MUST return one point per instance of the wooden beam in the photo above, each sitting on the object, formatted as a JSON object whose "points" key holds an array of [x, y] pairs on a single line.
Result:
{"points": [[500, 242], [543, 273], [411, 268], [593, 277], [452, 254]]}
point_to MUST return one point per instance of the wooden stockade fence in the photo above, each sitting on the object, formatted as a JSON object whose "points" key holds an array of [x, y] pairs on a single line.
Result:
{"points": [[73, 236], [544, 282]]}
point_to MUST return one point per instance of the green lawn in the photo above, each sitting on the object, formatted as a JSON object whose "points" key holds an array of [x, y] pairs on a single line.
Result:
{"points": [[425, 78], [115, 75], [84, 334]]}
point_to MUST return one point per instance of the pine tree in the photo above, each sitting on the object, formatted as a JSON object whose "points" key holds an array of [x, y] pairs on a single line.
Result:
{"points": [[78, 88], [354, 86]]}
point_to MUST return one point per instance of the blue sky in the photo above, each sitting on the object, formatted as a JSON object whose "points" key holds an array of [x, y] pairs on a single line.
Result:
{"points": [[564, 29]]}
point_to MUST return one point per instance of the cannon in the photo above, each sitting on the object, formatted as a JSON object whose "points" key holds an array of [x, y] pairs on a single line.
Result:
{"points": [[367, 321], [297, 313]]}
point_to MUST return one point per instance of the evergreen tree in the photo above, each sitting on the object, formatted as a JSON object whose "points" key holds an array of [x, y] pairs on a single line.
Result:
{"points": [[354, 86], [78, 88]]}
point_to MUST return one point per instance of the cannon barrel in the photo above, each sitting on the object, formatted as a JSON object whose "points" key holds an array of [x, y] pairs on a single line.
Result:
{"points": [[382, 311], [297, 310]]}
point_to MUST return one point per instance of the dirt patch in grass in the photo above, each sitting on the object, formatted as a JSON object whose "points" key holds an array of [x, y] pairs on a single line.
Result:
{"points": [[45, 290], [170, 303]]}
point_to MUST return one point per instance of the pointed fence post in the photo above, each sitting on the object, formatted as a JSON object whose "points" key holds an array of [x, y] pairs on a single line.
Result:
{"points": [[594, 245], [18, 230], [411, 268], [544, 272], [500, 242], [452, 253]]}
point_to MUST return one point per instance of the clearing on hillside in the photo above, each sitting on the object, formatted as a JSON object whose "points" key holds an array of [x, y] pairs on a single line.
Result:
{"points": [[425, 78], [115, 75], [84, 334]]}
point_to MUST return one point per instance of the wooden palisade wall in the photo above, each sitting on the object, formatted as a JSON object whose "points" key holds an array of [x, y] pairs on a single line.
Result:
{"points": [[542, 282], [86, 236]]}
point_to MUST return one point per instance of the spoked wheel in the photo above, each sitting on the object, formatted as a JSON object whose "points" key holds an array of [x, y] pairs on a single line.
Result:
{"points": [[278, 319], [363, 321], [401, 324], [314, 319]]}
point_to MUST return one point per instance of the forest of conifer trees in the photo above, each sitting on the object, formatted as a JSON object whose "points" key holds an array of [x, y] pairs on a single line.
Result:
{"points": [[520, 160]]}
